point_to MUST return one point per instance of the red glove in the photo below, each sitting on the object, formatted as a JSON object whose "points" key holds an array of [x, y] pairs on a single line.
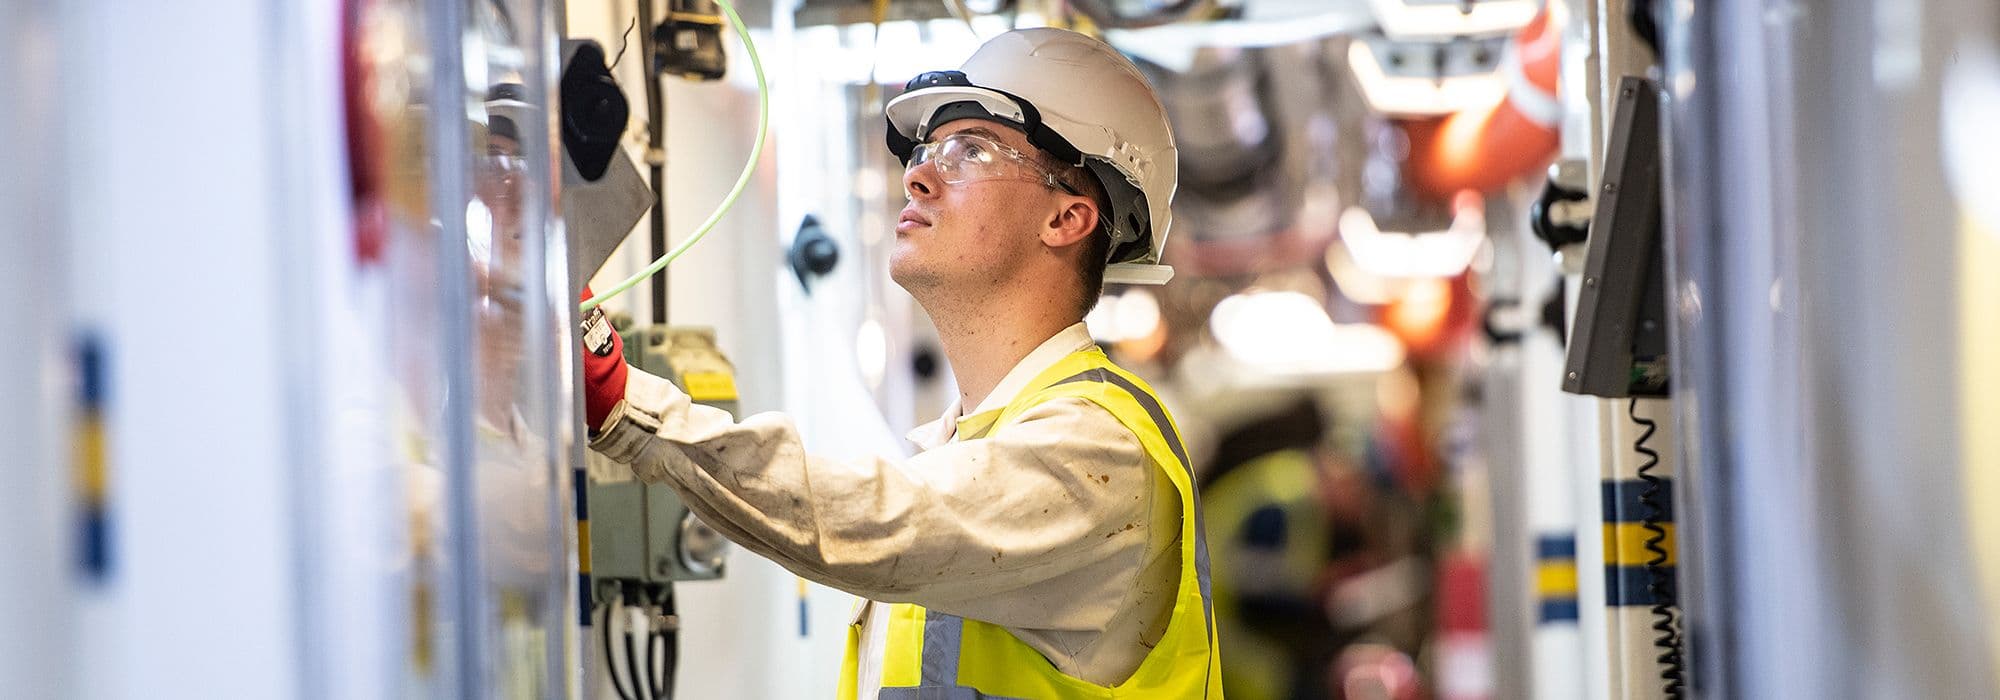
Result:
{"points": [[603, 366]]}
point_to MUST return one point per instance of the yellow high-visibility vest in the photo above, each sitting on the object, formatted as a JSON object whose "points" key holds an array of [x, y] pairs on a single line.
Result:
{"points": [[935, 655]]}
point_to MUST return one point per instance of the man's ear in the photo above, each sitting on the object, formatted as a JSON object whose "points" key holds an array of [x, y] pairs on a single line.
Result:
{"points": [[1075, 221]]}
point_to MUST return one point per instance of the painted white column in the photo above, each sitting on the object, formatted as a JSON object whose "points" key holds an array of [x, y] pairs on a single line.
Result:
{"points": [[38, 508], [170, 191]]}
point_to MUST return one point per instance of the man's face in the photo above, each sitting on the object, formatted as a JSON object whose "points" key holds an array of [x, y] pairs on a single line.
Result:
{"points": [[965, 236], [498, 272], [500, 182]]}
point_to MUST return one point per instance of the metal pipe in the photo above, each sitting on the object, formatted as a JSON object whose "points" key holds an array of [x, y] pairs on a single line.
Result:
{"points": [[1807, 227], [291, 48], [1510, 593], [450, 138], [656, 154], [547, 315]]}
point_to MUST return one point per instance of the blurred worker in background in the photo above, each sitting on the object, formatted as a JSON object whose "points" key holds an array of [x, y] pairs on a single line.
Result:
{"points": [[1045, 541], [1319, 590]]}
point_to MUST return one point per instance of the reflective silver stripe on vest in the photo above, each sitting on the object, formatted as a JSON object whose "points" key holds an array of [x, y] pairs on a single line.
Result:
{"points": [[939, 677], [942, 633], [938, 692]]}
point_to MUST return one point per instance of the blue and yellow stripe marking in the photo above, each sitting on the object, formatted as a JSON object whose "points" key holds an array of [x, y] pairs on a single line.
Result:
{"points": [[90, 464], [1555, 578], [1626, 554]]}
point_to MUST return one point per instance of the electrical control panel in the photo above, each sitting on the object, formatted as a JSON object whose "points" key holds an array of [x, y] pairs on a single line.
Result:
{"points": [[643, 532]]}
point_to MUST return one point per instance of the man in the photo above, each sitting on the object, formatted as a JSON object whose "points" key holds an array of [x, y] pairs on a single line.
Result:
{"points": [[1045, 543]]}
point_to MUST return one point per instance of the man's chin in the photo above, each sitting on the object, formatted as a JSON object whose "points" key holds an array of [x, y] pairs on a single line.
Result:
{"points": [[903, 276], [909, 274]]}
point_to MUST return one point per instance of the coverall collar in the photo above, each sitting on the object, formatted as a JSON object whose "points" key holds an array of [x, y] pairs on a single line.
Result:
{"points": [[955, 422]]}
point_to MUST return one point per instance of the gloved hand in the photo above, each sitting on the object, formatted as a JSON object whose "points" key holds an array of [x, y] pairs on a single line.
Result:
{"points": [[603, 366]]}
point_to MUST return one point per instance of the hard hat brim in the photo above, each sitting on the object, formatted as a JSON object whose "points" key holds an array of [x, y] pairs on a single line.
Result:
{"points": [[1138, 273], [911, 113]]}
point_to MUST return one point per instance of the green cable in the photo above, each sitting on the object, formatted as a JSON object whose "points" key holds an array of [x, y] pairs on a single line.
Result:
{"points": [[742, 181]]}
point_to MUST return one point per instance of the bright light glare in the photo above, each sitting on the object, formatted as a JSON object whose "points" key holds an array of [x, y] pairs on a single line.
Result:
{"points": [[1420, 315], [846, 55], [479, 232], [1421, 254], [1357, 284], [1101, 320], [871, 352], [1403, 20], [1290, 333], [1971, 104], [1419, 95], [1173, 46], [1117, 318], [906, 50], [1138, 315]]}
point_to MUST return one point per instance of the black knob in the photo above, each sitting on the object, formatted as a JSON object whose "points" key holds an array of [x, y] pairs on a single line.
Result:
{"points": [[594, 112], [1556, 234], [820, 254], [924, 362], [1644, 16], [814, 253]]}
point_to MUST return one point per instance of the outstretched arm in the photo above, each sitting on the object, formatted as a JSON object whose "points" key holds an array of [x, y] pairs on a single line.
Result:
{"points": [[1058, 489]]}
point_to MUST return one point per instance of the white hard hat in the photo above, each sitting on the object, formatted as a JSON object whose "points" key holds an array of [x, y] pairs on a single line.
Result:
{"points": [[1082, 102]]}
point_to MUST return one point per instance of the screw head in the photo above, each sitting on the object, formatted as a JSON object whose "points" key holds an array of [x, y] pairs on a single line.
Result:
{"points": [[1572, 376]]}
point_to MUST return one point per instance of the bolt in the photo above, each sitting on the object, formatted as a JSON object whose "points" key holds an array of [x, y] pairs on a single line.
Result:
{"points": [[1590, 281], [1627, 92], [1611, 188], [1572, 376]]}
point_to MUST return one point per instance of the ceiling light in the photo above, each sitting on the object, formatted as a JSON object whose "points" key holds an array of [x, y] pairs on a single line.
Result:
{"points": [[1427, 79], [1433, 19], [1445, 253]]}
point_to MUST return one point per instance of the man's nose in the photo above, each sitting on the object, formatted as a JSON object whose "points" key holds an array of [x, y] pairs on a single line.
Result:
{"points": [[921, 181]]}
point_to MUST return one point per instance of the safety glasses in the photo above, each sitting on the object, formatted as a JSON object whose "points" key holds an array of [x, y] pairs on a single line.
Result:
{"points": [[968, 157]]}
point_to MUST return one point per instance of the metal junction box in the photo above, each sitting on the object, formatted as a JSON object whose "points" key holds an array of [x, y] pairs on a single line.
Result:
{"points": [[639, 531]]}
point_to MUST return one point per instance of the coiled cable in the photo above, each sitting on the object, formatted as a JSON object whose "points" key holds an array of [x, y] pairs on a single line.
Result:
{"points": [[1659, 579]]}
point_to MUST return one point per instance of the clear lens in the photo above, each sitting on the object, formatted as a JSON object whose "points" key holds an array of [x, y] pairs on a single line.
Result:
{"points": [[961, 158]]}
